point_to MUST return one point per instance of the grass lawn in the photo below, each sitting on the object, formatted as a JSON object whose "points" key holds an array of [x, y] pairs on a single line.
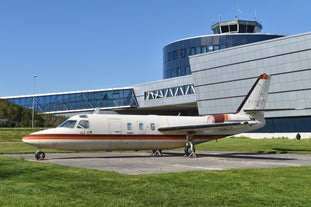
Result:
{"points": [[26, 183], [11, 141], [15, 134]]}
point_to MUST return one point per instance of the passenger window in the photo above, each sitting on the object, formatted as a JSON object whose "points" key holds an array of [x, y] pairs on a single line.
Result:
{"points": [[129, 126], [152, 126], [141, 126], [83, 124]]}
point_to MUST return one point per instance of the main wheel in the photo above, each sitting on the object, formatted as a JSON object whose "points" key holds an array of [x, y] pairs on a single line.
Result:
{"points": [[40, 155], [189, 150], [157, 152]]}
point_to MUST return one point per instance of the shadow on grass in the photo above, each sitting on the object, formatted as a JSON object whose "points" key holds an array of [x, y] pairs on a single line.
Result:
{"points": [[292, 150], [238, 155], [101, 157]]}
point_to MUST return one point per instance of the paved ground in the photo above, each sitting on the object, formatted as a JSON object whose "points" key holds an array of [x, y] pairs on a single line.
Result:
{"points": [[173, 161]]}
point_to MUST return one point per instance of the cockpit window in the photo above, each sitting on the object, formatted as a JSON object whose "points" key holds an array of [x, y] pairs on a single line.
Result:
{"points": [[83, 124], [68, 124]]}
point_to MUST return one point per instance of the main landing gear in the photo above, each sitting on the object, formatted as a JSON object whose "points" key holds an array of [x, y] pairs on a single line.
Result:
{"points": [[157, 153], [39, 155], [189, 148]]}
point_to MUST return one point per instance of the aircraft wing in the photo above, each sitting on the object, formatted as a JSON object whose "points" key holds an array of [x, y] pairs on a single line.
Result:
{"points": [[201, 127]]}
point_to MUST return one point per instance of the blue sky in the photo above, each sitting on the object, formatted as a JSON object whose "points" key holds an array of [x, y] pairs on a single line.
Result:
{"points": [[93, 44]]}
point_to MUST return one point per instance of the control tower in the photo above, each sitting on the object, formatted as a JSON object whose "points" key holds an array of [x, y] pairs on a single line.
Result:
{"points": [[225, 34], [237, 26]]}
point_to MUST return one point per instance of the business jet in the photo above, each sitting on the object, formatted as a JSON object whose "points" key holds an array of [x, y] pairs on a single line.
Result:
{"points": [[96, 132]]}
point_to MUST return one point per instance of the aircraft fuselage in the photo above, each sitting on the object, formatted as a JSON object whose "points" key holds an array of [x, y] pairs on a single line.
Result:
{"points": [[131, 132]]}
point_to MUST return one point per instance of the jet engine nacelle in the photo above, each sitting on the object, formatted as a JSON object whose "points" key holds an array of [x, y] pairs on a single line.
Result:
{"points": [[221, 118]]}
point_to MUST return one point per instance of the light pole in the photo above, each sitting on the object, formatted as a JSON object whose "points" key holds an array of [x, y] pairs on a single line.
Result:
{"points": [[33, 101]]}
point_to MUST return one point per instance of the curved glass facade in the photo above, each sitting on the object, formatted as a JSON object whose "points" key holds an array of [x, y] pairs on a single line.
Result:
{"points": [[77, 101], [176, 54]]}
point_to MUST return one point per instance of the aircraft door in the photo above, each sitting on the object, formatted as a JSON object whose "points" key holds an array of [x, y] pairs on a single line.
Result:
{"points": [[115, 126]]}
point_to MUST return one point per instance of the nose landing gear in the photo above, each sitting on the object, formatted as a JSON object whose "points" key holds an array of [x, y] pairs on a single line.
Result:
{"points": [[39, 155]]}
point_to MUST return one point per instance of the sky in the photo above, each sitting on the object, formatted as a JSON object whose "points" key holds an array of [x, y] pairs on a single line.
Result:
{"points": [[49, 46]]}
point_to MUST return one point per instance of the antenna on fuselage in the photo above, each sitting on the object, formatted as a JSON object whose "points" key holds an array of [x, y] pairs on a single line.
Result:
{"points": [[97, 111]]}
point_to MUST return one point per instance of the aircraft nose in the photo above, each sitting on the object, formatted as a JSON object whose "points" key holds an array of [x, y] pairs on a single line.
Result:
{"points": [[30, 139], [26, 138]]}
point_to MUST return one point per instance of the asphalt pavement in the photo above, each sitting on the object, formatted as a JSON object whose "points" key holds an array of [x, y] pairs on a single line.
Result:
{"points": [[142, 162]]}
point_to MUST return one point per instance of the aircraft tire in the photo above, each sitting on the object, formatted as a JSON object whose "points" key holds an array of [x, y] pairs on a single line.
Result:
{"points": [[188, 150], [40, 155]]}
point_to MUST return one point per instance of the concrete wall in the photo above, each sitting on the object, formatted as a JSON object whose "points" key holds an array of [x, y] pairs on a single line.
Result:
{"points": [[223, 78]]}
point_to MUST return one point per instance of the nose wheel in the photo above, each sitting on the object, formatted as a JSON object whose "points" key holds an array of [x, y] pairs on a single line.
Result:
{"points": [[39, 155]]}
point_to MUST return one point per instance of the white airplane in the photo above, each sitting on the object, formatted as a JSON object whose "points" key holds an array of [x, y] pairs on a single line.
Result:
{"points": [[95, 132]]}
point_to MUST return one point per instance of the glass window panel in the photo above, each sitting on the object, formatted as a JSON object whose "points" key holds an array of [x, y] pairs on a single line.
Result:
{"points": [[250, 29], [204, 49], [169, 56], [242, 28], [224, 29], [192, 51], [83, 124], [129, 126], [223, 46], [188, 71], [198, 50], [233, 28], [174, 54], [179, 71], [183, 53], [68, 124], [152, 126]]}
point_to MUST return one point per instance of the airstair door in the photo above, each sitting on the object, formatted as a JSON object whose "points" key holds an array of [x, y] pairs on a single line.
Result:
{"points": [[115, 126]]}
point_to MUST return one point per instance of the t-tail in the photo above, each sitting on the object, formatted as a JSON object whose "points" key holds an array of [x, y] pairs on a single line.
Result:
{"points": [[255, 101], [250, 113], [257, 96]]}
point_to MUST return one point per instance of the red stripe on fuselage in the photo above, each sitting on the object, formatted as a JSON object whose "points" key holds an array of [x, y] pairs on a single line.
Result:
{"points": [[114, 137]]}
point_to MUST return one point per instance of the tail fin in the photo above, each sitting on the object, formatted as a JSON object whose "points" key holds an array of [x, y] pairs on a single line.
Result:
{"points": [[256, 97]]}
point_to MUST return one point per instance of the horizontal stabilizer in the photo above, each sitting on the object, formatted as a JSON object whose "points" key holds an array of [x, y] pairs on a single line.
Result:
{"points": [[271, 110]]}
